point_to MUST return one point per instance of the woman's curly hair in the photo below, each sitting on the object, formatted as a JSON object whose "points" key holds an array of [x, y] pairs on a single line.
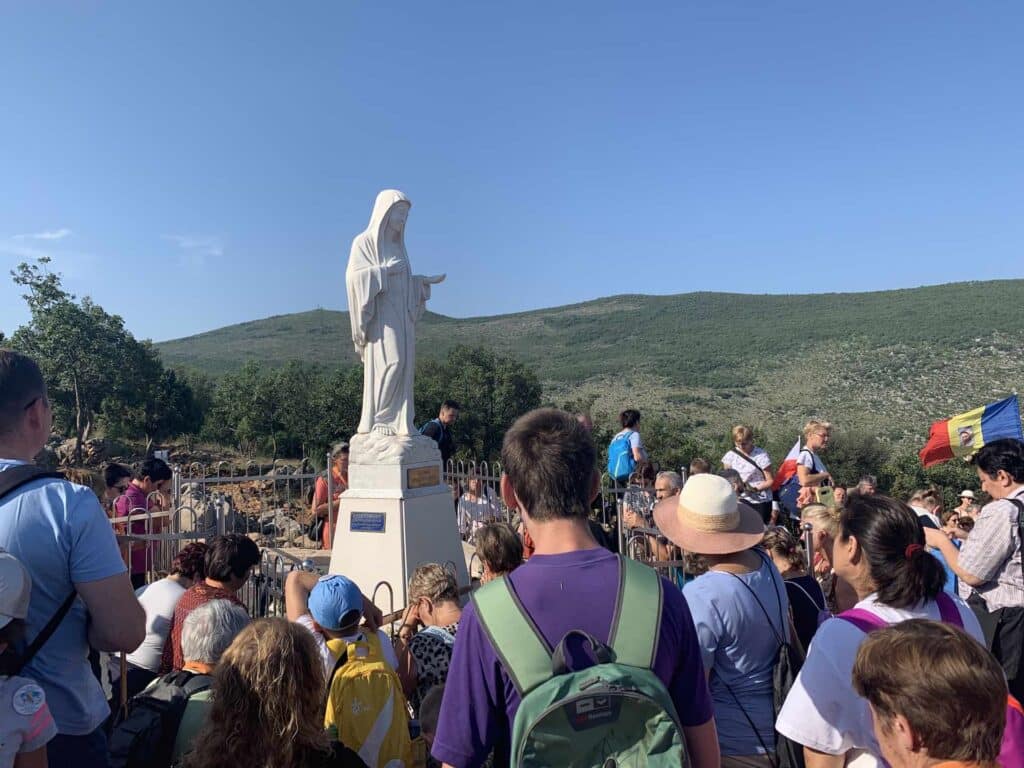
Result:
{"points": [[269, 698]]}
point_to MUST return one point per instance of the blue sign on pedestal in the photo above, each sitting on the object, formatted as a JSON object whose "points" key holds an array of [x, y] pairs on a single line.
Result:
{"points": [[367, 522]]}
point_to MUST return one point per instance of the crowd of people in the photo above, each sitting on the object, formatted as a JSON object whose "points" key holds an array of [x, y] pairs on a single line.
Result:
{"points": [[863, 630]]}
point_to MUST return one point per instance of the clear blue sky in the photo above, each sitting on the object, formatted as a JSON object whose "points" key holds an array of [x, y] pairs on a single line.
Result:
{"points": [[191, 165]]}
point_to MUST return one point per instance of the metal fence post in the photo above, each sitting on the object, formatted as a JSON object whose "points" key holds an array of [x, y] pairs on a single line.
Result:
{"points": [[330, 499]]}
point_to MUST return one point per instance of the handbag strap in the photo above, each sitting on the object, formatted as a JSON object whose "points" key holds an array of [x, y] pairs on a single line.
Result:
{"points": [[747, 459]]}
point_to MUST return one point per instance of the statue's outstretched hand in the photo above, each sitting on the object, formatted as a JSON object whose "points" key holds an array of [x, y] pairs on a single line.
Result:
{"points": [[434, 279]]}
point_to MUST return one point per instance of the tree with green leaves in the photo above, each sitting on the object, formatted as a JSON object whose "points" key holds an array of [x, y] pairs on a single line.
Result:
{"points": [[493, 390], [95, 370]]}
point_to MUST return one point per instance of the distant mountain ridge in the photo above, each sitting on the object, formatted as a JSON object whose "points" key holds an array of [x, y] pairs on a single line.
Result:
{"points": [[881, 360]]}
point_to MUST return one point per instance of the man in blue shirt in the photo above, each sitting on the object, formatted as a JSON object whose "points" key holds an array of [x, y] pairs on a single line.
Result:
{"points": [[61, 534]]}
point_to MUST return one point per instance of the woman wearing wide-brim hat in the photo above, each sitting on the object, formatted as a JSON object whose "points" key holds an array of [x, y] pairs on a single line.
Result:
{"points": [[739, 608]]}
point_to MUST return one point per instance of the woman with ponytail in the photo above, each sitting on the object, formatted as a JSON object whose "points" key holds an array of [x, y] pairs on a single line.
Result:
{"points": [[880, 552]]}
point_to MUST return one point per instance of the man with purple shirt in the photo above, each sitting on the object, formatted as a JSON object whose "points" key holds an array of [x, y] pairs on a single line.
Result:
{"points": [[153, 475], [569, 583]]}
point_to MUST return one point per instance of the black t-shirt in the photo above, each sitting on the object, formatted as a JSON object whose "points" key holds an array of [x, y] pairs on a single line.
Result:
{"points": [[437, 432], [807, 601]]}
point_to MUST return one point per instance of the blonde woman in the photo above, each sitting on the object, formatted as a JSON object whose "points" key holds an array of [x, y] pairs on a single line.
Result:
{"points": [[755, 468], [424, 656], [810, 469], [268, 704], [824, 522]]}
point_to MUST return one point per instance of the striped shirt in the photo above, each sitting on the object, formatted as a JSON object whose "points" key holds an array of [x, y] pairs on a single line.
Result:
{"points": [[992, 552]]}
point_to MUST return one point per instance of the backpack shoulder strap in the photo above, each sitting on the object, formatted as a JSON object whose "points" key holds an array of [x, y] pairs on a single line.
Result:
{"points": [[45, 633], [522, 649], [863, 619], [806, 593], [779, 636], [197, 684], [338, 664], [15, 477], [636, 625]]}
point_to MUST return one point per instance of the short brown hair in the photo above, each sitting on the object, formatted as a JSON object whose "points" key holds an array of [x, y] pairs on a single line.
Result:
{"points": [[549, 459], [191, 561], [499, 548], [949, 688], [699, 466], [230, 556], [21, 382]]}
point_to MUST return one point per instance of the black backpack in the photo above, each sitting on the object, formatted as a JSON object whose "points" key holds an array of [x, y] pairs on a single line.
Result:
{"points": [[788, 660], [144, 737]]}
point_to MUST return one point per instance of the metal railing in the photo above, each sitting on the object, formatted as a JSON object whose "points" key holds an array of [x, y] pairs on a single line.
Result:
{"points": [[271, 503]]}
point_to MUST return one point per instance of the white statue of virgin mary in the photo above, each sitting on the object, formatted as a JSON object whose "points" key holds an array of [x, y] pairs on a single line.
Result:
{"points": [[385, 300]]}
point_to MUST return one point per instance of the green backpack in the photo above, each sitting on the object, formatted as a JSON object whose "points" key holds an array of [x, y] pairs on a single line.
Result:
{"points": [[615, 713]]}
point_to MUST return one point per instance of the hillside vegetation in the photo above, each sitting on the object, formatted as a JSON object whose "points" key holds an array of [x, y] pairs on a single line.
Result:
{"points": [[888, 362]]}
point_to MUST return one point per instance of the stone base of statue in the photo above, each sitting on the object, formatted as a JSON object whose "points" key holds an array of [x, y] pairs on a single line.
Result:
{"points": [[396, 514]]}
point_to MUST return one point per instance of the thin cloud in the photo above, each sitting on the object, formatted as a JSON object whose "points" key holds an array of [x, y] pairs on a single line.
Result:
{"points": [[55, 234], [198, 247]]}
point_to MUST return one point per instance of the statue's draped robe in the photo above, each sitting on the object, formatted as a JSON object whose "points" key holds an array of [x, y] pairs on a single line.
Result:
{"points": [[385, 300]]}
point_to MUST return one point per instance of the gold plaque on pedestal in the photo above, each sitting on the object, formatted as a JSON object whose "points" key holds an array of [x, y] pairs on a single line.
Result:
{"points": [[423, 477]]}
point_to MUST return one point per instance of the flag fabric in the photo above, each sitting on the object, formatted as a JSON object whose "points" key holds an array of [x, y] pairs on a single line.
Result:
{"points": [[787, 469], [786, 484], [964, 434]]}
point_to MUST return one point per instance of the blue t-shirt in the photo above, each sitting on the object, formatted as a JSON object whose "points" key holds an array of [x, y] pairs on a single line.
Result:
{"points": [[951, 583], [740, 650], [61, 535]]}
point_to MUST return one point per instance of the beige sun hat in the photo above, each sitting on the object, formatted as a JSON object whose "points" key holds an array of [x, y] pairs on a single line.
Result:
{"points": [[15, 589], [967, 495], [708, 519]]}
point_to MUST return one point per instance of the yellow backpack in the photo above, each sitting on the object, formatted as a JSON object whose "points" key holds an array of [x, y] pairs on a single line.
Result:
{"points": [[366, 705]]}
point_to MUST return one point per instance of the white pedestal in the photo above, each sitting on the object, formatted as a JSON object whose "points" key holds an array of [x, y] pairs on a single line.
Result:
{"points": [[386, 528]]}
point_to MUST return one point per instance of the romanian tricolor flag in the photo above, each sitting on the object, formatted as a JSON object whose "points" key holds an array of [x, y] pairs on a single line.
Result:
{"points": [[964, 434]]}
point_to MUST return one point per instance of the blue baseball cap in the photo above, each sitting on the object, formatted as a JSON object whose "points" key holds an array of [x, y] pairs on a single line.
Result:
{"points": [[332, 598]]}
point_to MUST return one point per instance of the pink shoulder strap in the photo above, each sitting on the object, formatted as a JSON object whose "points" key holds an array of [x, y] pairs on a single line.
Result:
{"points": [[863, 619], [948, 612], [866, 621]]}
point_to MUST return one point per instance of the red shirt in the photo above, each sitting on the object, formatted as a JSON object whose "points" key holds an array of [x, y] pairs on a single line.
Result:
{"points": [[195, 596], [320, 497]]}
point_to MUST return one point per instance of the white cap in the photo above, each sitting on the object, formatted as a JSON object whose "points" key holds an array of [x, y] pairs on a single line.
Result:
{"points": [[967, 495], [15, 589]]}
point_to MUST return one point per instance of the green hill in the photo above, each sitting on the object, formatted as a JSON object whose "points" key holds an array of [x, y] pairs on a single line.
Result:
{"points": [[889, 361]]}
